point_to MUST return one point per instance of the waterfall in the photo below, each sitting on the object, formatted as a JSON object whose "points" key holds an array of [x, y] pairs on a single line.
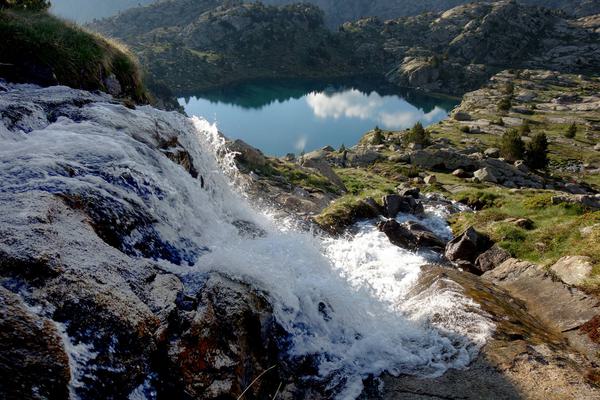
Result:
{"points": [[345, 301]]}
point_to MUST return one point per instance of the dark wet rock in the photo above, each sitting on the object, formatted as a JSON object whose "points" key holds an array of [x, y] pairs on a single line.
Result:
{"points": [[227, 341], [249, 229], [412, 191], [33, 363], [394, 204], [467, 246], [410, 235], [490, 259], [246, 154]]}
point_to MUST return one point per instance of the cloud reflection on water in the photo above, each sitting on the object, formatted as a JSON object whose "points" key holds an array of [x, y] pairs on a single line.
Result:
{"points": [[390, 112]]}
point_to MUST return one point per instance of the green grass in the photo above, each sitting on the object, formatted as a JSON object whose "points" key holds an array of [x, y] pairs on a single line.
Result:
{"points": [[556, 232], [298, 176], [40, 48]]}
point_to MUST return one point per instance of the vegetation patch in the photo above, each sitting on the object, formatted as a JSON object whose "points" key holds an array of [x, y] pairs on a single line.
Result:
{"points": [[557, 230], [39, 48]]}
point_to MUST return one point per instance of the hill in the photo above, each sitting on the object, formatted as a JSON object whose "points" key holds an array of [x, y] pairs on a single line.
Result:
{"points": [[42, 49], [83, 11]]}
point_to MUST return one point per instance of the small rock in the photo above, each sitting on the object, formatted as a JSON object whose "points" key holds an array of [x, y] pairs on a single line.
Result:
{"points": [[328, 149], [290, 157], [492, 152], [485, 175], [430, 179], [418, 180], [461, 116], [247, 154], [461, 173], [573, 270], [521, 166]]}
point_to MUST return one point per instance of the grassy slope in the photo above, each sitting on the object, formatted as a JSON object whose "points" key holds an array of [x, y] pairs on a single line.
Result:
{"points": [[39, 48]]}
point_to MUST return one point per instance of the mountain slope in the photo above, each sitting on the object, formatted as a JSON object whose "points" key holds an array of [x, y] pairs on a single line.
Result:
{"points": [[339, 11], [83, 11], [450, 52]]}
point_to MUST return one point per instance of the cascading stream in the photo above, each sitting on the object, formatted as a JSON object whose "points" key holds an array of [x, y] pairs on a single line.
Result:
{"points": [[346, 301]]}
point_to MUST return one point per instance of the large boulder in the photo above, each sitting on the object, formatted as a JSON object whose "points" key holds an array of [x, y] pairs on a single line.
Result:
{"points": [[573, 270], [443, 159], [465, 248], [322, 167], [410, 235], [491, 258], [246, 154]]}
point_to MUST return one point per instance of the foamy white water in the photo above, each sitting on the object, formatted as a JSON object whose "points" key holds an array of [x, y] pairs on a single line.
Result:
{"points": [[344, 301]]}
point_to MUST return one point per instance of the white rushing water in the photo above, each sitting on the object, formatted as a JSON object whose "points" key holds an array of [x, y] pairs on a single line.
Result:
{"points": [[347, 300]]}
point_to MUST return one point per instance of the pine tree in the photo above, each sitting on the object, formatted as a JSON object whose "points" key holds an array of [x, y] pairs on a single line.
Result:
{"points": [[536, 153], [572, 131], [417, 135], [512, 146]]}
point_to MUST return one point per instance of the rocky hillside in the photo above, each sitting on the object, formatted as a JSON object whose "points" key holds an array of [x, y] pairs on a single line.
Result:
{"points": [[450, 52], [228, 43], [337, 12]]}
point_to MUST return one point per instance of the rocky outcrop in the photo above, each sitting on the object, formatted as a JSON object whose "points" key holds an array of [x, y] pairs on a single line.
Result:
{"points": [[525, 359], [465, 249], [573, 270], [394, 204]]}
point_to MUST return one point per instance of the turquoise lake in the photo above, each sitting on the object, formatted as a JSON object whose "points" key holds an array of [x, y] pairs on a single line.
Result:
{"points": [[291, 117]]}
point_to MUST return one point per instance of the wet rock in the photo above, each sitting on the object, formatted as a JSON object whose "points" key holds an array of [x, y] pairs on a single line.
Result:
{"points": [[467, 246], [410, 235], [573, 270], [228, 341], [33, 362], [412, 191], [247, 154], [490, 259], [394, 204]]}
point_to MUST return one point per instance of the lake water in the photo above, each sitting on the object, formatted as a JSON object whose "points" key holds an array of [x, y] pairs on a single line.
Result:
{"points": [[294, 116]]}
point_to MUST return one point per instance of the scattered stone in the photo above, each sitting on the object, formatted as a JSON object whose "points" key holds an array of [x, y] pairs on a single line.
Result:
{"points": [[328, 149], [573, 270], [589, 201], [418, 180], [323, 168]]}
